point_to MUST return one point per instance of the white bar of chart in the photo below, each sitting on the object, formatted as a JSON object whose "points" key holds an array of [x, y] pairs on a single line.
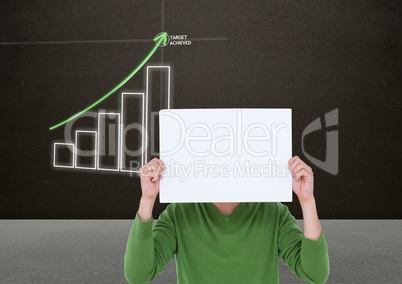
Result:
{"points": [[108, 149], [85, 153], [158, 97], [68, 161], [132, 131]]}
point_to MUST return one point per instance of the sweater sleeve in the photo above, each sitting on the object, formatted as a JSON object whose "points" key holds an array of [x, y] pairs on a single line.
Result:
{"points": [[306, 258], [149, 248]]}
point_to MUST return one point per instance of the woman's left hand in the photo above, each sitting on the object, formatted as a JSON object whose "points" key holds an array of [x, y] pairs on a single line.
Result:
{"points": [[302, 179]]}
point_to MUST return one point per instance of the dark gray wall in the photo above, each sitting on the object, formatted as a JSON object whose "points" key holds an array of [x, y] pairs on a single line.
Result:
{"points": [[310, 56]]}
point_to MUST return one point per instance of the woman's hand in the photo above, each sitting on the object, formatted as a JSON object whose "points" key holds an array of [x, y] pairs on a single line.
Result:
{"points": [[303, 185], [302, 179], [150, 174]]}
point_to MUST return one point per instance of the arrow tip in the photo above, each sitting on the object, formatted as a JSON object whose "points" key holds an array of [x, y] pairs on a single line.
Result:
{"points": [[162, 39]]}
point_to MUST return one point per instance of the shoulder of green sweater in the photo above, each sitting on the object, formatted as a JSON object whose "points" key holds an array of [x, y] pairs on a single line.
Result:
{"points": [[274, 208], [177, 210], [174, 208], [283, 209], [169, 211], [282, 214]]}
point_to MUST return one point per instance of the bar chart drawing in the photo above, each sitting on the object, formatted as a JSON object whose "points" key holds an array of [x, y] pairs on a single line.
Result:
{"points": [[120, 140]]}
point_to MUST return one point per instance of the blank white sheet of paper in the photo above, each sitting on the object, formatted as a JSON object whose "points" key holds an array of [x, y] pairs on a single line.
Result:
{"points": [[225, 155]]}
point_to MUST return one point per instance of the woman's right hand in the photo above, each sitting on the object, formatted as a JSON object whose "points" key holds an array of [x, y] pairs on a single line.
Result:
{"points": [[150, 174]]}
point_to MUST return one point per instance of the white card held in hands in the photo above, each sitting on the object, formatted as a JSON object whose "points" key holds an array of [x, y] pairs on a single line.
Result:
{"points": [[225, 155]]}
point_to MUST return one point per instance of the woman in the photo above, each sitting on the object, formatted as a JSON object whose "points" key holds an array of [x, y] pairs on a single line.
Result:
{"points": [[226, 242]]}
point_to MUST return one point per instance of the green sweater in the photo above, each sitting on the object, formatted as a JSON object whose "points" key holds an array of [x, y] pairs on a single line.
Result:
{"points": [[210, 247]]}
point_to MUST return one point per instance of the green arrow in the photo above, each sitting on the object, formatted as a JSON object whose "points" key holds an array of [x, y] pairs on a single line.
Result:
{"points": [[160, 40]]}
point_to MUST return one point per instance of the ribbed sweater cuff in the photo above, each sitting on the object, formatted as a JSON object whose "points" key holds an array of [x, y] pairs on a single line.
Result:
{"points": [[142, 230], [312, 250], [310, 244]]}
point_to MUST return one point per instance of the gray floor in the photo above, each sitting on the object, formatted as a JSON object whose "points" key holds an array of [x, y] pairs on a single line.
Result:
{"points": [[91, 251]]}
